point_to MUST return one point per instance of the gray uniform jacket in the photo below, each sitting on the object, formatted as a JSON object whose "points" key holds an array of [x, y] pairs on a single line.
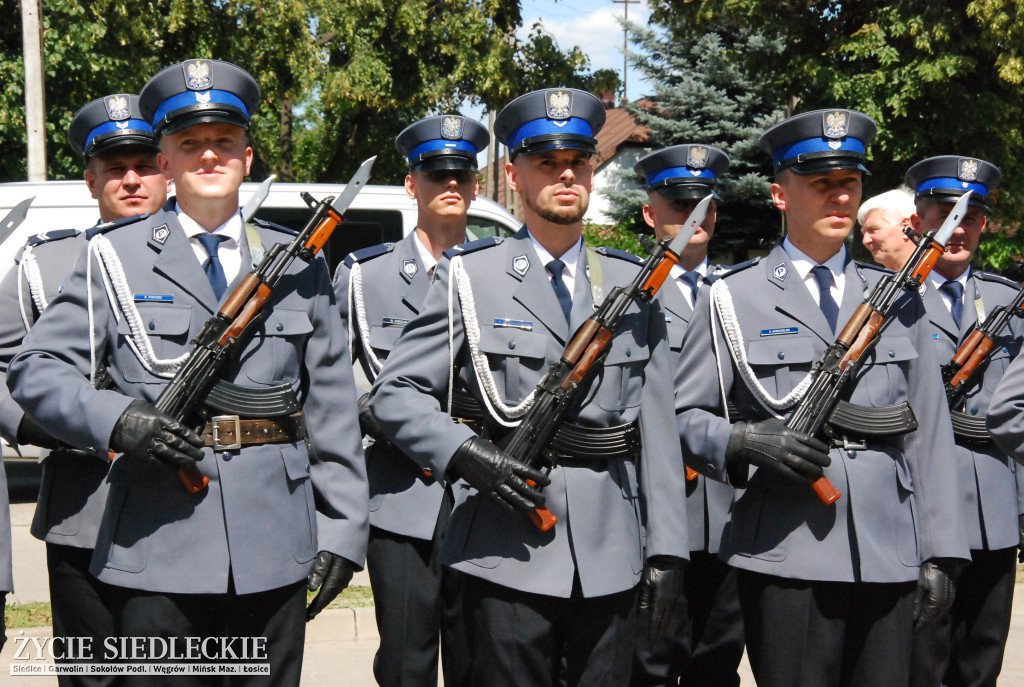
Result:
{"points": [[522, 332], [990, 483], [394, 283], [268, 508], [707, 500], [73, 489], [897, 496]]}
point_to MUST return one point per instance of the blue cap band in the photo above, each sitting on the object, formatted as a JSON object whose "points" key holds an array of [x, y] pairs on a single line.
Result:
{"points": [[675, 172], [816, 145], [953, 185], [441, 144], [188, 98], [541, 127], [107, 127]]}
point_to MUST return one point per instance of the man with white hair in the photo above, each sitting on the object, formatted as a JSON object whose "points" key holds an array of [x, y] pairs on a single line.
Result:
{"points": [[882, 220]]}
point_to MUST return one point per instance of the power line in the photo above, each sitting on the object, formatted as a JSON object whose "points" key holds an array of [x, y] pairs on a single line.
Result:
{"points": [[625, 42]]}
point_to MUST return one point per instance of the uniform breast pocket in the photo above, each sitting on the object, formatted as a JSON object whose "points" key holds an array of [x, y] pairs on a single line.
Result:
{"points": [[885, 381], [515, 358], [277, 356], [382, 339], [780, 362], [166, 326], [1001, 358], [622, 378]]}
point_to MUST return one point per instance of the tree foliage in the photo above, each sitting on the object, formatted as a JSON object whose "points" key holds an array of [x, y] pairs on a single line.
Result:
{"points": [[339, 78], [706, 92], [938, 76]]}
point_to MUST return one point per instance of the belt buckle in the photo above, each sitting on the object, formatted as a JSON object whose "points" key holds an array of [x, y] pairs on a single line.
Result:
{"points": [[216, 435]]}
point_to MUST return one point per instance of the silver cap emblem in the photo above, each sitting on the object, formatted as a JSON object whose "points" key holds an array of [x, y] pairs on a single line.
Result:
{"points": [[559, 104], [836, 124], [197, 75], [117, 108], [697, 157], [451, 128]]}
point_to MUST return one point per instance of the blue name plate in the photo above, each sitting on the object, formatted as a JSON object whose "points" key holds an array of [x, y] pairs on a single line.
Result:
{"points": [[394, 322], [525, 325], [151, 297], [779, 330]]}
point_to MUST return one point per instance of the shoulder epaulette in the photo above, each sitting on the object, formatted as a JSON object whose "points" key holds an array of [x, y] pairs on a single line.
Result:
{"points": [[107, 226], [473, 246], [620, 254], [996, 278], [873, 266], [255, 221], [738, 267], [364, 254], [48, 236]]}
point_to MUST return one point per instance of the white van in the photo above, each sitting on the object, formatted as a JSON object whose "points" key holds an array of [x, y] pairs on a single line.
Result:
{"points": [[377, 215]]}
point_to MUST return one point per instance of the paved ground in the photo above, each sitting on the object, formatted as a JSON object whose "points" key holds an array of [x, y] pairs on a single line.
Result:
{"points": [[340, 643]]}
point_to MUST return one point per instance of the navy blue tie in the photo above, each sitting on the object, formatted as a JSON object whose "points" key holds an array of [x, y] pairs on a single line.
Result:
{"points": [[826, 302], [555, 267], [692, 279], [214, 270], [955, 291]]}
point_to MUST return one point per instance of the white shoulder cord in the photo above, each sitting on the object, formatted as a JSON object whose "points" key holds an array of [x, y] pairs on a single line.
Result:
{"points": [[357, 308], [123, 303], [724, 313], [718, 363], [29, 268], [484, 377]]}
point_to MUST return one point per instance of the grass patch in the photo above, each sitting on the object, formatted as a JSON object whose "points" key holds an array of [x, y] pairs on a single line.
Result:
{"points": [[37, 613]]}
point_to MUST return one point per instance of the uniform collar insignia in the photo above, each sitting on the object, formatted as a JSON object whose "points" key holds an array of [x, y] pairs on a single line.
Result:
{"points": [[161, 233], [780, 271], [521, 264], [410, 267]]}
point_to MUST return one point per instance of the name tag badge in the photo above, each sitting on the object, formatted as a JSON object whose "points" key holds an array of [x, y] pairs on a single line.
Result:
{"points": [[153, 298], [525, 325], [394, 322], [668, 318], [778, 331]]}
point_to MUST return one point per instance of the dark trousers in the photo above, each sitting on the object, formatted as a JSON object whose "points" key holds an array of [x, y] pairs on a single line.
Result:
{"points": [[532, 640], [80, 605], [703, 646], [965, 647], [278, 615], [826, 634], [411, 596]]}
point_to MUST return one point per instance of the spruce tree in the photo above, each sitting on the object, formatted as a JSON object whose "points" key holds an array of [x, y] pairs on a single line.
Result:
{"points": [[704, 92]]}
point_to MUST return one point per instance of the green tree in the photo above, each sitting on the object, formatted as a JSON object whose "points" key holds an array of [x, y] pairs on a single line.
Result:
{"points": [[705, 92], [938, 76]]}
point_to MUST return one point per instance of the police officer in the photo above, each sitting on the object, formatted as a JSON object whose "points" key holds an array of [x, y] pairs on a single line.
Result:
{"points": [[827, 591], [379, 290], [704, 646], [233, 559], [966, 646], [882, 220], [558, 606], [119, 151]]}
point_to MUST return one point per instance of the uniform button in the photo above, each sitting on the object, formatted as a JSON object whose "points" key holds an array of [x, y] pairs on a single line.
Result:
{"points": [[892, 353], [782, 355], [226, 455], [511, 345], [850, 453], [152, 325], [629, 352], [974, 410], [280, 327]]}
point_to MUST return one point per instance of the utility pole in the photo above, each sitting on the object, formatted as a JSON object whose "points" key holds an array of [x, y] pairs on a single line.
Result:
{"points": [[35, 103], [625, 42]]}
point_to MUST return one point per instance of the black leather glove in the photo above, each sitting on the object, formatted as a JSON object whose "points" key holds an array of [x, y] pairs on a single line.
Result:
{"points": [[1020, 529], [31, 432], [660, 587], [368, 424], [770, 444], [491, 471], [144, 433], [331, 574], [936, 588]]}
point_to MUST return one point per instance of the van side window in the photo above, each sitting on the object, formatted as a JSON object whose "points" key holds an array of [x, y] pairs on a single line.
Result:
{"points": [[479, 227]]}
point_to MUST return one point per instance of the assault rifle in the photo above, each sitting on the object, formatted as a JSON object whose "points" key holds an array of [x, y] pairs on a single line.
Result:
{"points": [[843, 359], [963, 372], [587, 348], [225, 334]]}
